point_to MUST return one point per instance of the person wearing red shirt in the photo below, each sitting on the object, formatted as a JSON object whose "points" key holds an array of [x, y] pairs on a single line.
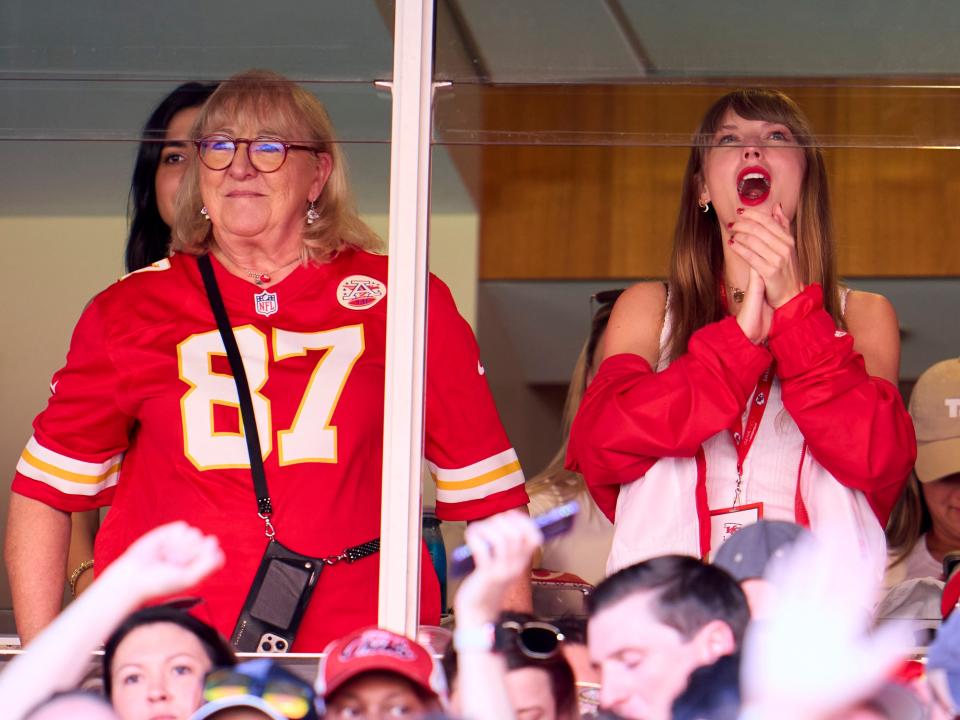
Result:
{"points": [[144, 416], [750, 384]]}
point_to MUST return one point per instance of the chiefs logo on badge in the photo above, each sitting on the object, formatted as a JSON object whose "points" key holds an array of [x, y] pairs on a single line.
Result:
{"points": [[360, 292], [265, 303]]}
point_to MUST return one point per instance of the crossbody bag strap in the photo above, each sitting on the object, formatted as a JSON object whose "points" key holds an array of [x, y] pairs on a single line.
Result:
{"points": [[264, 505], [252, 436]]}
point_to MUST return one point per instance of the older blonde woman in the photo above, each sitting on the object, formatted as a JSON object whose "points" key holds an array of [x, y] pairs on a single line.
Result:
{"points": [[144, 415]]}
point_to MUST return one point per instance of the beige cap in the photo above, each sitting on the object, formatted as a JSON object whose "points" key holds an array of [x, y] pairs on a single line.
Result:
{"points": [[935, 409]]}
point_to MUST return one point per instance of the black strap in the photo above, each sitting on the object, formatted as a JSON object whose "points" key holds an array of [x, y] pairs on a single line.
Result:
{"points": [[264, 506]]}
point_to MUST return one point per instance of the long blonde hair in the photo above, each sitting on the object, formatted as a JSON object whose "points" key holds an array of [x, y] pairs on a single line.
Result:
{"points": [[696, 267], [301, 117], [555, 478]]}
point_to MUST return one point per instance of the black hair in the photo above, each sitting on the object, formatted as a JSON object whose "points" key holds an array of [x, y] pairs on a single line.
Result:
{"points": [[149, 238], [562, 681], [687, 594], [712, 693], [216, 647]]}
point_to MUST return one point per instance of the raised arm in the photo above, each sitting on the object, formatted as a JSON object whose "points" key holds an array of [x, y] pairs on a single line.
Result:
{"points": [[165, 560], [854, 423], [502, 548]]}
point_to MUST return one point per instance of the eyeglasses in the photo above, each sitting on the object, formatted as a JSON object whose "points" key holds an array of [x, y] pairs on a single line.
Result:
{"points": [[535, 639], [266, 155], [290, 699]]}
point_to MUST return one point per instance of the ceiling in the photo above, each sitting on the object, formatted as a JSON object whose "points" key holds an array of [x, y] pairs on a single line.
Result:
{"points": [[77, 79]]}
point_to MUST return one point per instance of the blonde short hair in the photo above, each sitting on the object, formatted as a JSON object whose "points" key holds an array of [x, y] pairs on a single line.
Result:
{"points": [[298, 116]]}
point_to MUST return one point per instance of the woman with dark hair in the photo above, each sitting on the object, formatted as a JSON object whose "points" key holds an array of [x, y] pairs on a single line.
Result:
{"points": [[151, 642], [162, 158], [166, 149], [752, 384]]}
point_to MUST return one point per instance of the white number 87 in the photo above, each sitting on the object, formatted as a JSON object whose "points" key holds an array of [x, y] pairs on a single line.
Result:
{"points": [[310, 438]]}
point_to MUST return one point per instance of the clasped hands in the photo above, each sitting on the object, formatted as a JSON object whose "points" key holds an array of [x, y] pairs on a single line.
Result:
{"points": [[765, 242]]}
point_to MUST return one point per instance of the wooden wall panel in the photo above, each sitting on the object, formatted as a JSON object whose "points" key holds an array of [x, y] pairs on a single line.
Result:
{"points": [[583, 182]]}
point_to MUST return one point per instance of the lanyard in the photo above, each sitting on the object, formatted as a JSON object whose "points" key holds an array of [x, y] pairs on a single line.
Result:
{"points": [[743, 437]]}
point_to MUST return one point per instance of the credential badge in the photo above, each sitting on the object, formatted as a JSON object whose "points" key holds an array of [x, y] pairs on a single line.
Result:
{"points": [[266, 303]]}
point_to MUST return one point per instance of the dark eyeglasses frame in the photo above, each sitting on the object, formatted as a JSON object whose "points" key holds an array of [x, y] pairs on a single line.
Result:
{"points": [[518, 629], [287, 147]]}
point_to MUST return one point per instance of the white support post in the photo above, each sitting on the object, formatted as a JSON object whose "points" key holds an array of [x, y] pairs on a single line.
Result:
{"points": [[400, 526]]}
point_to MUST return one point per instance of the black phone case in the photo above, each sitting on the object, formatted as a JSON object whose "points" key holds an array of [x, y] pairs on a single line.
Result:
{"points": [[277, 600]]}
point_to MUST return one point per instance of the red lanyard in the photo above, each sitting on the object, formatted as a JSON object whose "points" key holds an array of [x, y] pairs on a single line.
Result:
{"points": [[743, 437]]}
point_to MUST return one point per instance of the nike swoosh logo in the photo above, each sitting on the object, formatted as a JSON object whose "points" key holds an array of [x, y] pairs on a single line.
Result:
{"points": [[480, 370]]}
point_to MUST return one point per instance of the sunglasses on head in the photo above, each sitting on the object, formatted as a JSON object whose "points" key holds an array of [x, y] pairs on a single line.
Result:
{"points": [[290, 699], [536, 639]]}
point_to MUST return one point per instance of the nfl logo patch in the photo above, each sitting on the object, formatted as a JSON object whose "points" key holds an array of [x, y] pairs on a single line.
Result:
{"points": [[266, 303]]}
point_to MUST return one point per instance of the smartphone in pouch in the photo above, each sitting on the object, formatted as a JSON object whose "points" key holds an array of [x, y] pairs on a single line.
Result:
{"points": [[277, 600]]}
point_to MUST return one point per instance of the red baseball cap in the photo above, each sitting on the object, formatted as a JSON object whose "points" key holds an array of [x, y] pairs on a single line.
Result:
{"points": [[375, 650]]}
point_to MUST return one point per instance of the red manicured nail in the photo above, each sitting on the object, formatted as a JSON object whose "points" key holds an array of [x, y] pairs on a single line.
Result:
{"points": [[739, 211], [730, 241], [729, 225]]}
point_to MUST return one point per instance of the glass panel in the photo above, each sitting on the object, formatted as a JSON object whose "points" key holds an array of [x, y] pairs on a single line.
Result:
{"points": [[77, 83], [570, 124]]}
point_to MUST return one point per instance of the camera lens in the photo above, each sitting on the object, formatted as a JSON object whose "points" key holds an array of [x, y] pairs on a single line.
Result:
{"points": [[281, 645], [266, 646]]}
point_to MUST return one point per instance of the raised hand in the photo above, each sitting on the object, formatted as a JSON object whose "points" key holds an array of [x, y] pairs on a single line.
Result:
{"points": [[764, 240], [755, 313], [168, 559], [502, 546]]}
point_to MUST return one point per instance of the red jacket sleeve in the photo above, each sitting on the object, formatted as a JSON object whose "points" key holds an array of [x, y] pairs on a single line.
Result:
{"points": [[855, 425], [631, 416]]}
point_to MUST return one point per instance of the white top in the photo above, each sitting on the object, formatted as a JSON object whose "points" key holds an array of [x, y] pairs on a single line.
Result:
{"points": [[918, 563], [657, 514]]}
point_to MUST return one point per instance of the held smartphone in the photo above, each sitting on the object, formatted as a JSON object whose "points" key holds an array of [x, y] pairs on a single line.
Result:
{"points": [[551, 523]]}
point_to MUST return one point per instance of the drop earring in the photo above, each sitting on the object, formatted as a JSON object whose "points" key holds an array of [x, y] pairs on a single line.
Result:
{"points": [[205, 213], [312, 214], [705, 206]]}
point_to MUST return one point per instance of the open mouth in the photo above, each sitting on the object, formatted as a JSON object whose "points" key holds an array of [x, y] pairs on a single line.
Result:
{"points": [[753, 185]]}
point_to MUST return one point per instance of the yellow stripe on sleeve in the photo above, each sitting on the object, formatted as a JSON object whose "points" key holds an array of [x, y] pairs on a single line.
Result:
{"points": [[46, 467], [484, 479]]}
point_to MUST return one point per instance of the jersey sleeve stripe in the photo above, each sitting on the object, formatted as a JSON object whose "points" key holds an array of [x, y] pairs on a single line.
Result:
{"points": [[484, 479], [479, 492], [67, 467], [470, 472], [55, 479]]}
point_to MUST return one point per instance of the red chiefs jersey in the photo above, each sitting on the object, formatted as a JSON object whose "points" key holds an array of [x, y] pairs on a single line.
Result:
{"points": [[144, 417]]}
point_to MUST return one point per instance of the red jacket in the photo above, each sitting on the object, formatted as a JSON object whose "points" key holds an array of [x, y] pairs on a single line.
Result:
{"points": [[855, 425]]}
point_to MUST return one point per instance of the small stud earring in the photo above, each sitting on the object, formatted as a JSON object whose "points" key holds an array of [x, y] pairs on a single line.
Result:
{"points": [[312, 214], [205, 213]]}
